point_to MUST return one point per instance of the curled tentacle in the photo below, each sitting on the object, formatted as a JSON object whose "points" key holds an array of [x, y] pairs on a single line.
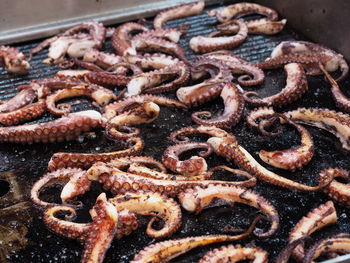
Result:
{"points": [[208, 89], [333, 61], [234, 107], [60, 176], [99, 94], [254, 75], [295, 157], [194, 166], [295, 88], [166, 250], [197, 199], [339, 192], [148, 203], [337, 244], [319, 217]]}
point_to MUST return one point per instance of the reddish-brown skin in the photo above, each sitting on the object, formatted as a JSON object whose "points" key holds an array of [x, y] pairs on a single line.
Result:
{"points": [[107, 79], [230, 253], [196, 165], [259, 26], [101, 232], [267, 25], [121, 40], [200, 44], [99, 94], [153, 82], [86, 160], [13, 60], [197, 199], [232, 114], [23, 98], [159, 45], [342, 101], [152, 204], [166, 250], [74, 36], [331, 61], [120, 106], [65, 128], [208, 89], [104, 60], [254, 75], [295, 88], [127, 223], [118, 181], [335, 245], [226, 145], [171, 34], [180, 11], [319, 217], [295, 157], [60, 177], [26, 113], [305, 59], [339, 192]]}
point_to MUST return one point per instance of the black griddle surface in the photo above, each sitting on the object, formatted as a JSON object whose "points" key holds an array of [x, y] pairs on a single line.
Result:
{"points": [[28, 162]]}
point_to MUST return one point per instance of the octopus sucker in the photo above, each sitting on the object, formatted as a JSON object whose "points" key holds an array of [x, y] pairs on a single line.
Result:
{"points": [[338, 191], [332, 62], [342, 101], [171, 34], [253, 75], [155, 204], [267, 25], [234, 107], [86, 160], [201, 44], [235, 253], [78, 123], [99, 94], [166, 250], [13, 60], [296, 87], [321, 216], [191, 167], [295, 157], [61, 177], [26, 113], [225, 144], [176, 12], [338, 244], [197, 199]]}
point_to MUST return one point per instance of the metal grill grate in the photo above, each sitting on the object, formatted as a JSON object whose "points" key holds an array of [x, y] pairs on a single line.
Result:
{"points": [[30, 162]]}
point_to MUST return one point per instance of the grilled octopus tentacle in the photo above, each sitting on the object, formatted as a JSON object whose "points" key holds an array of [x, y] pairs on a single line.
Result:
{"points": [[236, 253], [319, 217], [166, 250], [196, 199]]}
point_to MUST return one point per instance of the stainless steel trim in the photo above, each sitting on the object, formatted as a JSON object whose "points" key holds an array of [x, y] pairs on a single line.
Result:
{"points": [[32, 27]]}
